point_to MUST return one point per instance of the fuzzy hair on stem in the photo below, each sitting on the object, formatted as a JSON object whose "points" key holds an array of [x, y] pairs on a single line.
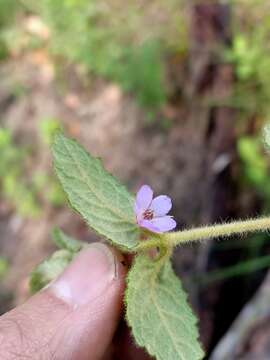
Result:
{"points": [[207, 232]]}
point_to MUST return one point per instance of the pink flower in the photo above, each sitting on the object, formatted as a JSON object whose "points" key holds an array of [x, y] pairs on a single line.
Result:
{"points": [[151, 214]]}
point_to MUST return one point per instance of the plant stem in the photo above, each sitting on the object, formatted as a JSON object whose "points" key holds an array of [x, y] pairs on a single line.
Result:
{"points": [[243, 268], [206, 232]]}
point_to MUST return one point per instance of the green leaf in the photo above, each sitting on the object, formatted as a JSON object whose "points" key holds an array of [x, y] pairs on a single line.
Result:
{"points": [[63, 241], [103, 202], [50, 269], [158, 312]]}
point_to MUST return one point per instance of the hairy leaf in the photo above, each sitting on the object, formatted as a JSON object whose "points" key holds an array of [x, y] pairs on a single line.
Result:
{"points": [[63, 241], [158, 312], [49, 269], [103, 202]]}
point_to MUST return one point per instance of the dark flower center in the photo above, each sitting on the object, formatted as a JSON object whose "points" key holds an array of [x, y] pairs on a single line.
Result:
{"points": [[148, 214]]}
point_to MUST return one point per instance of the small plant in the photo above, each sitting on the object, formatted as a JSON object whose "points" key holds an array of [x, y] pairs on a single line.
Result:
{"points": [[249, 54], [156, 305], [116, 41], [255, 165], [23, 194], [14, 186]]}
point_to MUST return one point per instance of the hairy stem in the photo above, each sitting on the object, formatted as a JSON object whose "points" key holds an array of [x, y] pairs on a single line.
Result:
{"points": [[206, 232]]}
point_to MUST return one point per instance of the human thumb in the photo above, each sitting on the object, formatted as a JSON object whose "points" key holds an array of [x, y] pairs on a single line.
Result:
{"points": [[75, 317]]}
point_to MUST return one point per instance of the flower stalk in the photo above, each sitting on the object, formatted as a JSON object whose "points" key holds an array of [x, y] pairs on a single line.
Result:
{"points": [[206, 232]]}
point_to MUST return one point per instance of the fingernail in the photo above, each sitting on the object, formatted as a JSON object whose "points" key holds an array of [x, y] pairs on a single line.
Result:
{"points": [[88, 276]]}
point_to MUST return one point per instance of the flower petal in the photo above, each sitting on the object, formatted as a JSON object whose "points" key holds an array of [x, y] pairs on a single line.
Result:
{"points": [[164, 223], [143, 198], [161, 205], [147, 224]]}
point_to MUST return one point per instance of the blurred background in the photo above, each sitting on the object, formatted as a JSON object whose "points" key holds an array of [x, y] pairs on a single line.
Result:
{"points": [[171, 93]]}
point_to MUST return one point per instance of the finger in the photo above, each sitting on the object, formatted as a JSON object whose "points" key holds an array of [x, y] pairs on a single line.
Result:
{"points": [[75, 317]]}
